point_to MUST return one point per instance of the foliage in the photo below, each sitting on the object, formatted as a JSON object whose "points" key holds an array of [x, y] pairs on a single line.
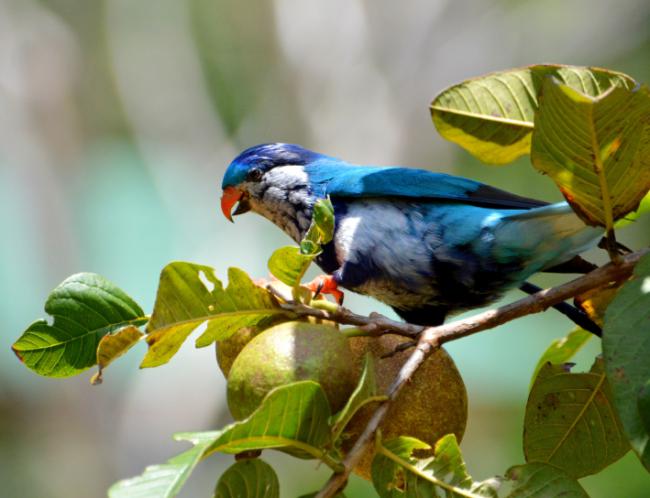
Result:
{"points": [[588, 129], [626, 350], [571, 422]]}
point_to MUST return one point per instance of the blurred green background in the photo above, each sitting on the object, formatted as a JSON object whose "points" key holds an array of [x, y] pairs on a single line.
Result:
{"points": [[117, 120]]}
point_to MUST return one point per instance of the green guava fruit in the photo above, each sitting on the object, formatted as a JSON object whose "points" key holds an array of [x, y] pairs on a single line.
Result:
{"points": [[290, 352]]}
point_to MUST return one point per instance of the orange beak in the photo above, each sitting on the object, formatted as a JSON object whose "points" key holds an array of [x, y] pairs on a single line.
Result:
{"points": [[229, 198]]}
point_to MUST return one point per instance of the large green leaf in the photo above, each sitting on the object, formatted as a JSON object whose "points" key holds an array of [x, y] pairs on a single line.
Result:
{"points": [[571, 422], [626, 348], [541, 480], [190, 295], [396, 473], [562, 350], [252, 478], [164, 480], [85, 307], [596, 149], [293, 416], [492, 116]]}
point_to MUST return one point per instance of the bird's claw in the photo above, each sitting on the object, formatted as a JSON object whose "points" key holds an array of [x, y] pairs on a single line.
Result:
{"points": [[325, 284]]}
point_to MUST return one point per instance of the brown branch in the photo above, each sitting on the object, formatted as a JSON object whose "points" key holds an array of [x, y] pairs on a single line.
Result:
{"points": [[431, 338]]}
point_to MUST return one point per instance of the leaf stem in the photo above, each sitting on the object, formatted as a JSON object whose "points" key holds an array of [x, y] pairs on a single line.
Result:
{"points": [[356, 332]]}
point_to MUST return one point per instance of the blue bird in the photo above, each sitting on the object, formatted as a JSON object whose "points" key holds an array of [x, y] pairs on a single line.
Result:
{"points": [[426, 244]]}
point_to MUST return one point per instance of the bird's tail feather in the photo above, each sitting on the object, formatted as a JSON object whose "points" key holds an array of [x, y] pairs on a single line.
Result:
{"points": [[553, 235]]}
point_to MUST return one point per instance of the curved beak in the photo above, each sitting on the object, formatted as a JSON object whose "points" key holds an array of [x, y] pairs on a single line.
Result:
{"points": [[229, 198]]}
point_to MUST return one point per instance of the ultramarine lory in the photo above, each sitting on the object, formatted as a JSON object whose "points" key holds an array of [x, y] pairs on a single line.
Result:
{"points": [[427, 244]]}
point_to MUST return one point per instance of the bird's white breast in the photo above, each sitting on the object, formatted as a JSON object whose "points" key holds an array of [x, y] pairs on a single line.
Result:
{"points": [[390, 238]]}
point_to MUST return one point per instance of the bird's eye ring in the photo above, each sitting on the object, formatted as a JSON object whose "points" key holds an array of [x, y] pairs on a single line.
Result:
{"points": [[254, 175]]}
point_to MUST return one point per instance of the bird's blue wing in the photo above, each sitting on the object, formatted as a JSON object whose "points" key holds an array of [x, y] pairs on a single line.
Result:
{"points": [[338, 179]]}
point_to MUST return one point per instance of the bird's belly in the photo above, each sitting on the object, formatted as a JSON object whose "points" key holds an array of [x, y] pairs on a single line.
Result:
{"points": [[398, 296]]}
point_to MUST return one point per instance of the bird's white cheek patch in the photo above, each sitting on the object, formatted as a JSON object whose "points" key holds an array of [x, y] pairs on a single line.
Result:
{"points": [[287, 176]]}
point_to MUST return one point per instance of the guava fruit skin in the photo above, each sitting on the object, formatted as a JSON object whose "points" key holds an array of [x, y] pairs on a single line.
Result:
{"points": [[431, 405], [290, 352]]}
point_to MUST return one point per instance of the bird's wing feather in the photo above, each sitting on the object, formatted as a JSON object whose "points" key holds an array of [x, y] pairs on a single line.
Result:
{"points": [[341, 180]]}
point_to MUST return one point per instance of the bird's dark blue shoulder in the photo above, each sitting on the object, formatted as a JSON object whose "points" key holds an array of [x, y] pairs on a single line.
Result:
{"points": [[339, 179]]}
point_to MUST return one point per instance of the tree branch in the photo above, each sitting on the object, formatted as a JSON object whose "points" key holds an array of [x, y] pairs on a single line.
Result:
{"points": [[431, 338]]}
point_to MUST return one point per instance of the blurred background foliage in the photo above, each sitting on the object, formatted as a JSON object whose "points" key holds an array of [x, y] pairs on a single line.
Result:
{"points": [[117, 120]]}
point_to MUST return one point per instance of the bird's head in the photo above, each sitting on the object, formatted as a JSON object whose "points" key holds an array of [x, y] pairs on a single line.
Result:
{"points": [[269, 179]]}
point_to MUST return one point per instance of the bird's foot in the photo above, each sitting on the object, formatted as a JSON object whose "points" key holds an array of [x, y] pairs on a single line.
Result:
{"points": [[325, 284]]}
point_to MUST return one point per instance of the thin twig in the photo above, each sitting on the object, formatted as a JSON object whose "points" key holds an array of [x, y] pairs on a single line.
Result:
{"points": [[431, 338]]}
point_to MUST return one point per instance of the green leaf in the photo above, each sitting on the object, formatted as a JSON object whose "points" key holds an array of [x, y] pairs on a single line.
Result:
{"points": [[596, 149], [112, 346], [292, 416], [571, 422], [492, 116], [85, 307], [626, 349], [643, 403], [323, 218], [562, 350], [252, 478], [364, 393], [541, 480], [165, 480], [190, 295], [397, 473], [288, 265], [321, 229]]}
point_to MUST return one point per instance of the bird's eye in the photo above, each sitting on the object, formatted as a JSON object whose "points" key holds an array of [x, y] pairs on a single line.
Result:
{"points": [[254, 175]]}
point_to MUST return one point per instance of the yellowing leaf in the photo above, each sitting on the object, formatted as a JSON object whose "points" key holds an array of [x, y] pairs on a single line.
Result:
{"points": [[190, 295], [595, 301], [112, 346], [492, 116], [596, 149]]}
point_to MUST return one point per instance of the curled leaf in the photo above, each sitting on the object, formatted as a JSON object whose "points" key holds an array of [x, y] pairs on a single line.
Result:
{"points": [[112, 346], [595, 148]]}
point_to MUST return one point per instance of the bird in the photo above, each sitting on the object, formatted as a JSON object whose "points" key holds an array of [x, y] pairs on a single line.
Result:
{"points": [[427, 244]]}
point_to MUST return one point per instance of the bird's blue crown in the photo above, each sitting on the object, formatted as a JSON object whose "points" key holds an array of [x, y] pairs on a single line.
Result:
{"points": [[265, 157]]}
